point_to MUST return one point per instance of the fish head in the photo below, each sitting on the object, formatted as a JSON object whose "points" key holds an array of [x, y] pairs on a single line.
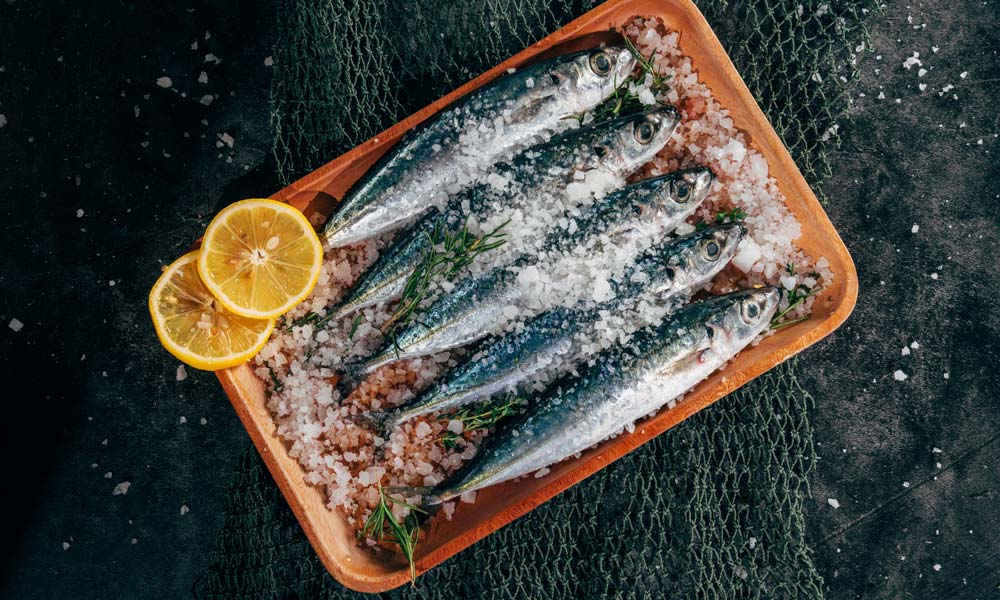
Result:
{"points": [[585, 79], [629, 142], [691, 261], [735, 319], [665, 200]]}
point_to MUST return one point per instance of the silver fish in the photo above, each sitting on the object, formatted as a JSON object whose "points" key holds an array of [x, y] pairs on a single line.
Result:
{"points": [[550, 340], [614, 147], [474, 308], [479, 128], [623, 385]]}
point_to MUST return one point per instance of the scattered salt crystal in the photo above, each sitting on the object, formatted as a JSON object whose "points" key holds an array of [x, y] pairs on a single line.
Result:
{"points": [[906, 484], [469, 497], [164, 82], [422, 429], [529, 82], [947, 375], [913, 60], [602, 290], [753, 542], [921, 72], [937, 567], [914, 345], [212, 58], [936, 450], [65, 545], [788, 282], [833, 502], [203, 77], [542, 472], [226, 139], [122, 488], [269, 61], [963, 74], [182, 420], [3, 120], [184, 509], [899, 375], [905, 351], [934, 275], [915, 228], [455, 426], [108, 475], [747, 254], [207, 99], [203, 421], [79, 213], [181, 373], [16, 325]]}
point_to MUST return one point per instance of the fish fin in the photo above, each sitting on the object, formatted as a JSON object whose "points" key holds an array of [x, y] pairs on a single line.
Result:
{"points": [[428, 495], [528, 111]]}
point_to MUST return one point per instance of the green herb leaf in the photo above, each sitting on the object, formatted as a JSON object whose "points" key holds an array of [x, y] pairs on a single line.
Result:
{"points": [[796, 296], [449, 253], [383, 526], [484, 416], [623, 101]]}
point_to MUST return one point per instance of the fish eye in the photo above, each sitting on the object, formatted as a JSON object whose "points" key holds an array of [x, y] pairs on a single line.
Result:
{"points": [[749, 311], [600, 62], [637, 210], [682, 192], [711, 250], [644, 132]]}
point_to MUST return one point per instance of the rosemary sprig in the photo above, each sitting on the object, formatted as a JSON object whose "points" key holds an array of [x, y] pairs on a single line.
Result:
{"points": [[623, 100], [354, 325], [726, 216], [449, 252], [796, 296], [276, 386], [482, 417], [383, 526]]}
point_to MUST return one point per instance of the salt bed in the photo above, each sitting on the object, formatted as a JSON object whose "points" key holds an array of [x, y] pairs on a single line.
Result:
{"points": [[301, 363]]}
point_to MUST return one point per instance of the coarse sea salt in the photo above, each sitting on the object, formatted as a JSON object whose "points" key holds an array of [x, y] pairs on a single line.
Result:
{"points": [[315, 419]]}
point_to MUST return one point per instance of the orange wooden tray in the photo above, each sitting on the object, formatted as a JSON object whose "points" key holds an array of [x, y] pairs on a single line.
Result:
{"points": [[331, 536]]}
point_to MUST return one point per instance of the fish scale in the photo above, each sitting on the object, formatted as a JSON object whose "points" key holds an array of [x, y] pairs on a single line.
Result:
{"points": [[478, 130], [441, 326], [549, 343], [622, 385], [533, 173]]}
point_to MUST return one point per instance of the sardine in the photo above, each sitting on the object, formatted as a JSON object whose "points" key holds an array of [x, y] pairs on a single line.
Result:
{"points": [[549, 343], [477, 130], [611, 147], [623, 385], [476, 307]]}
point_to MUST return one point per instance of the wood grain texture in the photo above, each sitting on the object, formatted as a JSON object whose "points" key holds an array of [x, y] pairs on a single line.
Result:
{"points": [[328, 531]]}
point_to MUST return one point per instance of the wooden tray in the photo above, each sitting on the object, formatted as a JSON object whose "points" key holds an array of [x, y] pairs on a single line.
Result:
{"points": [[331, 536]]}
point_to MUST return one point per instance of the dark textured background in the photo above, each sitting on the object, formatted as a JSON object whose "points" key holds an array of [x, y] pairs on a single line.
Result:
{"points": [[88, 128]]}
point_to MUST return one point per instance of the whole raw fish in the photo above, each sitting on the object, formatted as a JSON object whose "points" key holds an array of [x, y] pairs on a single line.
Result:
{"points": [[622, 385], [542, 169], [477, 130], [478, 306], [549, 343]]}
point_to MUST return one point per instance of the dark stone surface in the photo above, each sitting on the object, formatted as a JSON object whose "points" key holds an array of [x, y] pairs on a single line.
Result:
{"points": [[929, 160], [89, 129], [86, 367]]}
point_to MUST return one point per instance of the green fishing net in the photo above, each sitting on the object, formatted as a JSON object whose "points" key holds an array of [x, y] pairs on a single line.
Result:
{"points": [[711, 509]]}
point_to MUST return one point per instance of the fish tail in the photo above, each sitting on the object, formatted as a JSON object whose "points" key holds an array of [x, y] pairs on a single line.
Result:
{"points": [[375, 421], [429, 496]]}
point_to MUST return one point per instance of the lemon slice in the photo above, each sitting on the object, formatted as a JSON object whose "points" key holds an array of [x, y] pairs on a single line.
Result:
{"points": [[260, 258], [193, 326]]}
